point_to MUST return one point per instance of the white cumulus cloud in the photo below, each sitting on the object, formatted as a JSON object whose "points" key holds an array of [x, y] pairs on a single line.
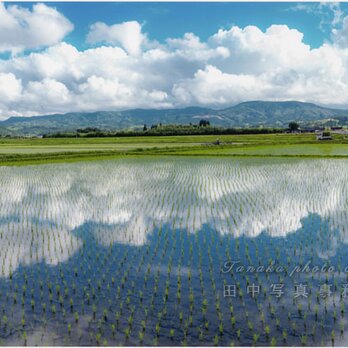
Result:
{"points": [[125, 69], [10, 87], [22, 29], [127, 34], [340, 36]]}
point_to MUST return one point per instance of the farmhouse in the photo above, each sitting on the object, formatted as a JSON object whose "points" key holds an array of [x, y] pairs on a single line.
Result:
{"points": [[324, 136]]}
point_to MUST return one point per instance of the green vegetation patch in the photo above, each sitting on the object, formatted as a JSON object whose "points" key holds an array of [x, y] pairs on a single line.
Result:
{"points": [[23, 151]]}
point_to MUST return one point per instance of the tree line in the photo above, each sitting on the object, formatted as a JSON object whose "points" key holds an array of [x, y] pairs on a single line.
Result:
{"points": [[203, 128]]}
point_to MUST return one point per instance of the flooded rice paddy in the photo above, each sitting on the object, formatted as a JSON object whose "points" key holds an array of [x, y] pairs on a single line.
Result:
{"points": [[181, 251]]}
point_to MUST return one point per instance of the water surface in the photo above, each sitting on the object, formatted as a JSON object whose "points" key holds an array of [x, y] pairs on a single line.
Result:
{"points": [[136, 252]]}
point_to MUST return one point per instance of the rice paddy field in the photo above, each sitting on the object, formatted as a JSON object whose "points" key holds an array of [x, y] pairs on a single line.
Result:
{"points": [[46, 150], [175, 251]]}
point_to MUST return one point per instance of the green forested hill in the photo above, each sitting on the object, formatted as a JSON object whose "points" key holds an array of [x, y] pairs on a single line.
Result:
{"points": [[247, 114]]}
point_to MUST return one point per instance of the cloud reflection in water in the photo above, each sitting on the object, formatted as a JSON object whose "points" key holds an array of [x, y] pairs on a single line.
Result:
{"points": [[42, 206]]}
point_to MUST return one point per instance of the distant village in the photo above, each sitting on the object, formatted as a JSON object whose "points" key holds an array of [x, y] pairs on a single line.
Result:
{"points": [[322, 133]]}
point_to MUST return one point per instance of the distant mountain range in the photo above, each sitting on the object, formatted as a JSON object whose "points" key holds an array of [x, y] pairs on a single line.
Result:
{"points": [[247, 114]]}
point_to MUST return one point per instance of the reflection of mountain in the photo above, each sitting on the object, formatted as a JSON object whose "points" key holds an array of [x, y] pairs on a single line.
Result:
{"points": [[41, 206]]}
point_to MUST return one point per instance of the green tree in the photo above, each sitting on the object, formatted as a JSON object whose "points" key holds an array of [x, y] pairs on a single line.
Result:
{"points": [[294, 126], [204, 123]]}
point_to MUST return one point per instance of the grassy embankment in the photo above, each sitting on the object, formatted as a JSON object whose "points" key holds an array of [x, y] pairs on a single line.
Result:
{"points": [[26, 151]]}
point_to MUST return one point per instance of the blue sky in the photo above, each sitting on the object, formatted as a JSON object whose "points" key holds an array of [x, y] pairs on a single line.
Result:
{"points": [[62, 57], [163, 19]]}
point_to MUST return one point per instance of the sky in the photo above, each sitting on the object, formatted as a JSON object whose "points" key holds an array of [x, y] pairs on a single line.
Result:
{"points": [[62, 57]]}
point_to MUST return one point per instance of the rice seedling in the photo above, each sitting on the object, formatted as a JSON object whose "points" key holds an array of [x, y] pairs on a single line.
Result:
{"points": [[141, 337], [127, 332], [238, 334], [255, 338], [105, 314], [98, 338], [304, 340], [24, 337], [216, 340], [53, 309]]}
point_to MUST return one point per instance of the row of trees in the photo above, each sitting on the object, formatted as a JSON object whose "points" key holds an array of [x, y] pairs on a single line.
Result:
{"points": [[170, 131], [202, 123], [202, 128]]}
